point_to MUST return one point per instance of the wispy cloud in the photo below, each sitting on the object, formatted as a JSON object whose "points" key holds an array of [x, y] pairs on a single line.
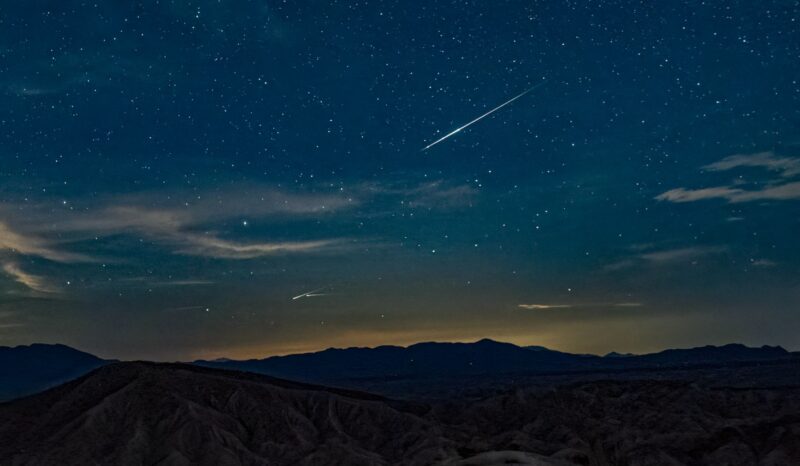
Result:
{"points": [[534, 307], [31, 245], [691, 195], [544, 306], [780, 189], [787, 166], [11, 325], [763, 263], [25, 91], [783, 192], [32, 282], [201, 224], [7, 323], [168, 211], [176, 229], [436, 194], [667, 256], [182, 225], [664, 257], [211, 246]]}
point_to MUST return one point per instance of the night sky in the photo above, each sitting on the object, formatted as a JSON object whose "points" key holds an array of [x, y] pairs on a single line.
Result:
{"points": [[173, 173]]}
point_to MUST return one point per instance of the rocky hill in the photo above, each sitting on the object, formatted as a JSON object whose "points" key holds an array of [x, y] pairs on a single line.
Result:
{"points": [[176, 414]]}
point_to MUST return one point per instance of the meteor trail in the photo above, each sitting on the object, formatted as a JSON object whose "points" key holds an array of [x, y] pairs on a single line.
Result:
{"points": [[460, 128], [312, 293]]}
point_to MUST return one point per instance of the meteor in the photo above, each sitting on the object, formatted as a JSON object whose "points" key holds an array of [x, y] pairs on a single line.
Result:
{"points": [[461, 128], [311, 294]]}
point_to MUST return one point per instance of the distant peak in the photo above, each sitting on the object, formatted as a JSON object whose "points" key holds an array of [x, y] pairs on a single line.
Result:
{"points": [[537, 348], [489, 341], [56, 346], [614, 354], [729, 345]]}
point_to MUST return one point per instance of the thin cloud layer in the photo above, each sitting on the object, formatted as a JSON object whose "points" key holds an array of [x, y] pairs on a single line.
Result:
{"points": [[32, 282], [26, 244], [665, 257], [543, 306], [784, 192], [775, 190], [535, 307], [165, 211], [434, 195], [211, 246], [199, 224], [182, 226], [787, 166]]}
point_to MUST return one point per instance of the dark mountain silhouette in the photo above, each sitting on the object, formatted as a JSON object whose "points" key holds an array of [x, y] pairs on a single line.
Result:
{"points": [[419, 360], [614, 354], [178, 414], [30, 369], [712, 354], [484, 357]]}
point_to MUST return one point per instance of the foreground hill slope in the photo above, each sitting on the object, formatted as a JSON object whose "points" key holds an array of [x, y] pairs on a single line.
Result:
{"points": [[145, 413], [176, 414], [636, 423]]}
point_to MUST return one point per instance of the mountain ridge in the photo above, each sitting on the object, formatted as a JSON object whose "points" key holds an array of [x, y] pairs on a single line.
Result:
{"points": [[525, 356], [27, 369]]}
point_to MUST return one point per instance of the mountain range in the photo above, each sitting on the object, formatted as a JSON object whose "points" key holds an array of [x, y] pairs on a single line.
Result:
{"points": [[427, 368], [391, 370]]}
